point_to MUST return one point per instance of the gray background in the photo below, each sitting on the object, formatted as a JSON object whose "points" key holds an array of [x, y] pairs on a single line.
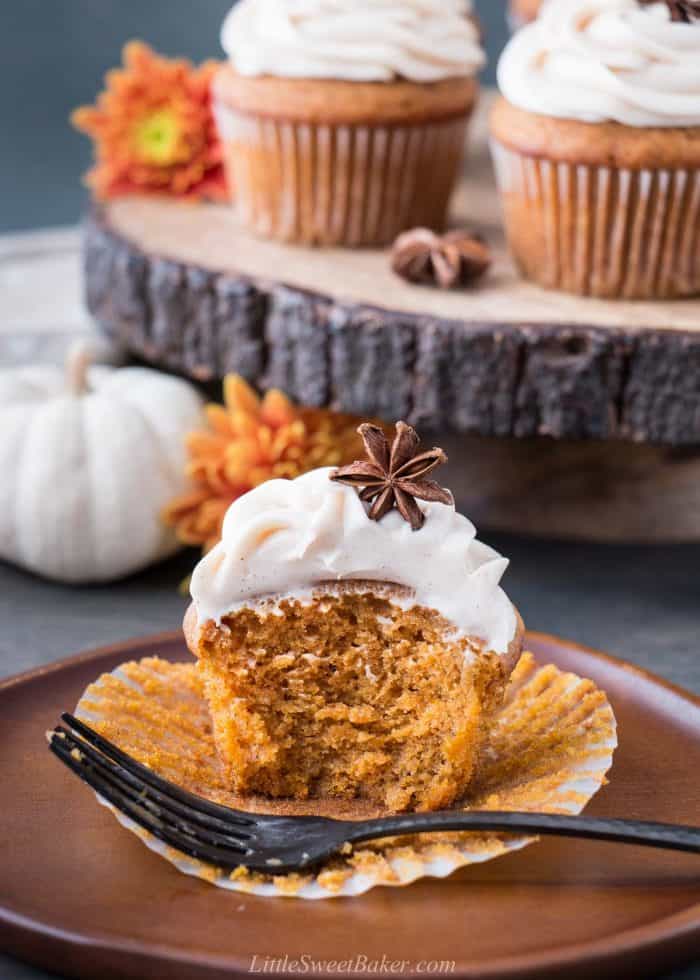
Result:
{"points": [[53, 55]]}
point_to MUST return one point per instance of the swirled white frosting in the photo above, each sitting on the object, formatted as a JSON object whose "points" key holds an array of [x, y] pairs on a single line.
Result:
{"points": [[287, 536], [353, 40], [605, 60]]}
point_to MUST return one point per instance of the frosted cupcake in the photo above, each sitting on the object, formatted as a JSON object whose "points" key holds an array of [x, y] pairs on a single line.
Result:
{"points": [[344, 121], [596, 143], [353, 644]]}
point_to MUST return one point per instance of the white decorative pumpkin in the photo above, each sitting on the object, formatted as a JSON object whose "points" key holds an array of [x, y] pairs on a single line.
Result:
{"points": [[89, 456]]}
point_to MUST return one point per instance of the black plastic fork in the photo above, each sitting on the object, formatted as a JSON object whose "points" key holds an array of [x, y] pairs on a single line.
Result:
{"points": [[279, 845]]}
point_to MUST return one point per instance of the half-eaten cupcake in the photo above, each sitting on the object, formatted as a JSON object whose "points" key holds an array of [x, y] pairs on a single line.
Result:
{"points": [[352, 637]]}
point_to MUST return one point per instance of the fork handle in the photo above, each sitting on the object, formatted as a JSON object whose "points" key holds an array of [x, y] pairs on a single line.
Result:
{"points": [[672, 836]]}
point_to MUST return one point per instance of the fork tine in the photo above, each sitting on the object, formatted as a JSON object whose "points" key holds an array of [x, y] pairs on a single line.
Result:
{"points": [[210, 829], [149, 777], [225, 857]]}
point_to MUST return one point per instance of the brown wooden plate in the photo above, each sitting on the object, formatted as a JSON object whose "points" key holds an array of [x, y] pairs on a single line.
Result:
{"points": [[81, 897]]}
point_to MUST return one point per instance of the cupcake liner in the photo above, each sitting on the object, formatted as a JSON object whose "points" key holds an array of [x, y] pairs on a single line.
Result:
{"points": [[601, 231], [340, 184], [548, 750]]}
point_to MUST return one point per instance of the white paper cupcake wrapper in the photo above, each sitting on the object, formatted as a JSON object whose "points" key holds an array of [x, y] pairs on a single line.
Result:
{"points": [[561, 724], [339, 184], [601, 231]]}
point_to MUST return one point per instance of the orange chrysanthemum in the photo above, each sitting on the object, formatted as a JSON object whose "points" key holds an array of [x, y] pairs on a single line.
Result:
{"points": [[251, 440], [154, 130]]}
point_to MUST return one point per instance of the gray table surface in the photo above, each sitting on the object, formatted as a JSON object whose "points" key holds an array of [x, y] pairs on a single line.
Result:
{"points": [[641, 603]]}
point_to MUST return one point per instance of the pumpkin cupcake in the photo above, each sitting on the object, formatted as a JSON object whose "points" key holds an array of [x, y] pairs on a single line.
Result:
{"points": [[344, 121], [353, 645], [596, 143]]}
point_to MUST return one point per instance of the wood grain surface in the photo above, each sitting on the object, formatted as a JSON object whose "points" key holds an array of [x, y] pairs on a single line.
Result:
{"points": [[186, 287], [585, 490]]}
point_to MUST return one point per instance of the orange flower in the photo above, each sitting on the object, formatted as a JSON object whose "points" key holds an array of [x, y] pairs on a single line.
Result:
{"points": [[251, 440], [153, 129]]}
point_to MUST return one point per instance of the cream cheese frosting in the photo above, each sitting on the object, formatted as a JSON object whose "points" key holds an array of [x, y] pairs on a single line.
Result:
{"points": [[605, 61], [287, 536], [353, 40]]}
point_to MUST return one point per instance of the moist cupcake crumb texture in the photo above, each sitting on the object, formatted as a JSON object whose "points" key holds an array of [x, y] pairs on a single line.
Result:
{"points": [[348, 696]]}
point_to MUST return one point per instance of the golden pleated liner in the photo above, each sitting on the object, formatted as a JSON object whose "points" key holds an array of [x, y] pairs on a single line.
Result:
{"points": [[601, 231], [549, 749], [340, 184]]}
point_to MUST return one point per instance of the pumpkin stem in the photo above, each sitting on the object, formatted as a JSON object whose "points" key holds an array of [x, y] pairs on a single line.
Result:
{"points": [[80, 357]]}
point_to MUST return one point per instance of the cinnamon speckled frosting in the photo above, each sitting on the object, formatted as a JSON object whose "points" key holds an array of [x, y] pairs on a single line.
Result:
{"points": [[353, 40], [287, 536], [605, 61]]}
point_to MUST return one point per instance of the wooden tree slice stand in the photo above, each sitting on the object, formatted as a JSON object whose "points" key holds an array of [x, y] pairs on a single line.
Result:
{"points": [[535, 374]]}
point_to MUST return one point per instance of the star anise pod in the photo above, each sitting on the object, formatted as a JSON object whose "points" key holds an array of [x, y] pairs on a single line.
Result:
{"points": [[686, 11], [458, 258], [394, 476]]}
